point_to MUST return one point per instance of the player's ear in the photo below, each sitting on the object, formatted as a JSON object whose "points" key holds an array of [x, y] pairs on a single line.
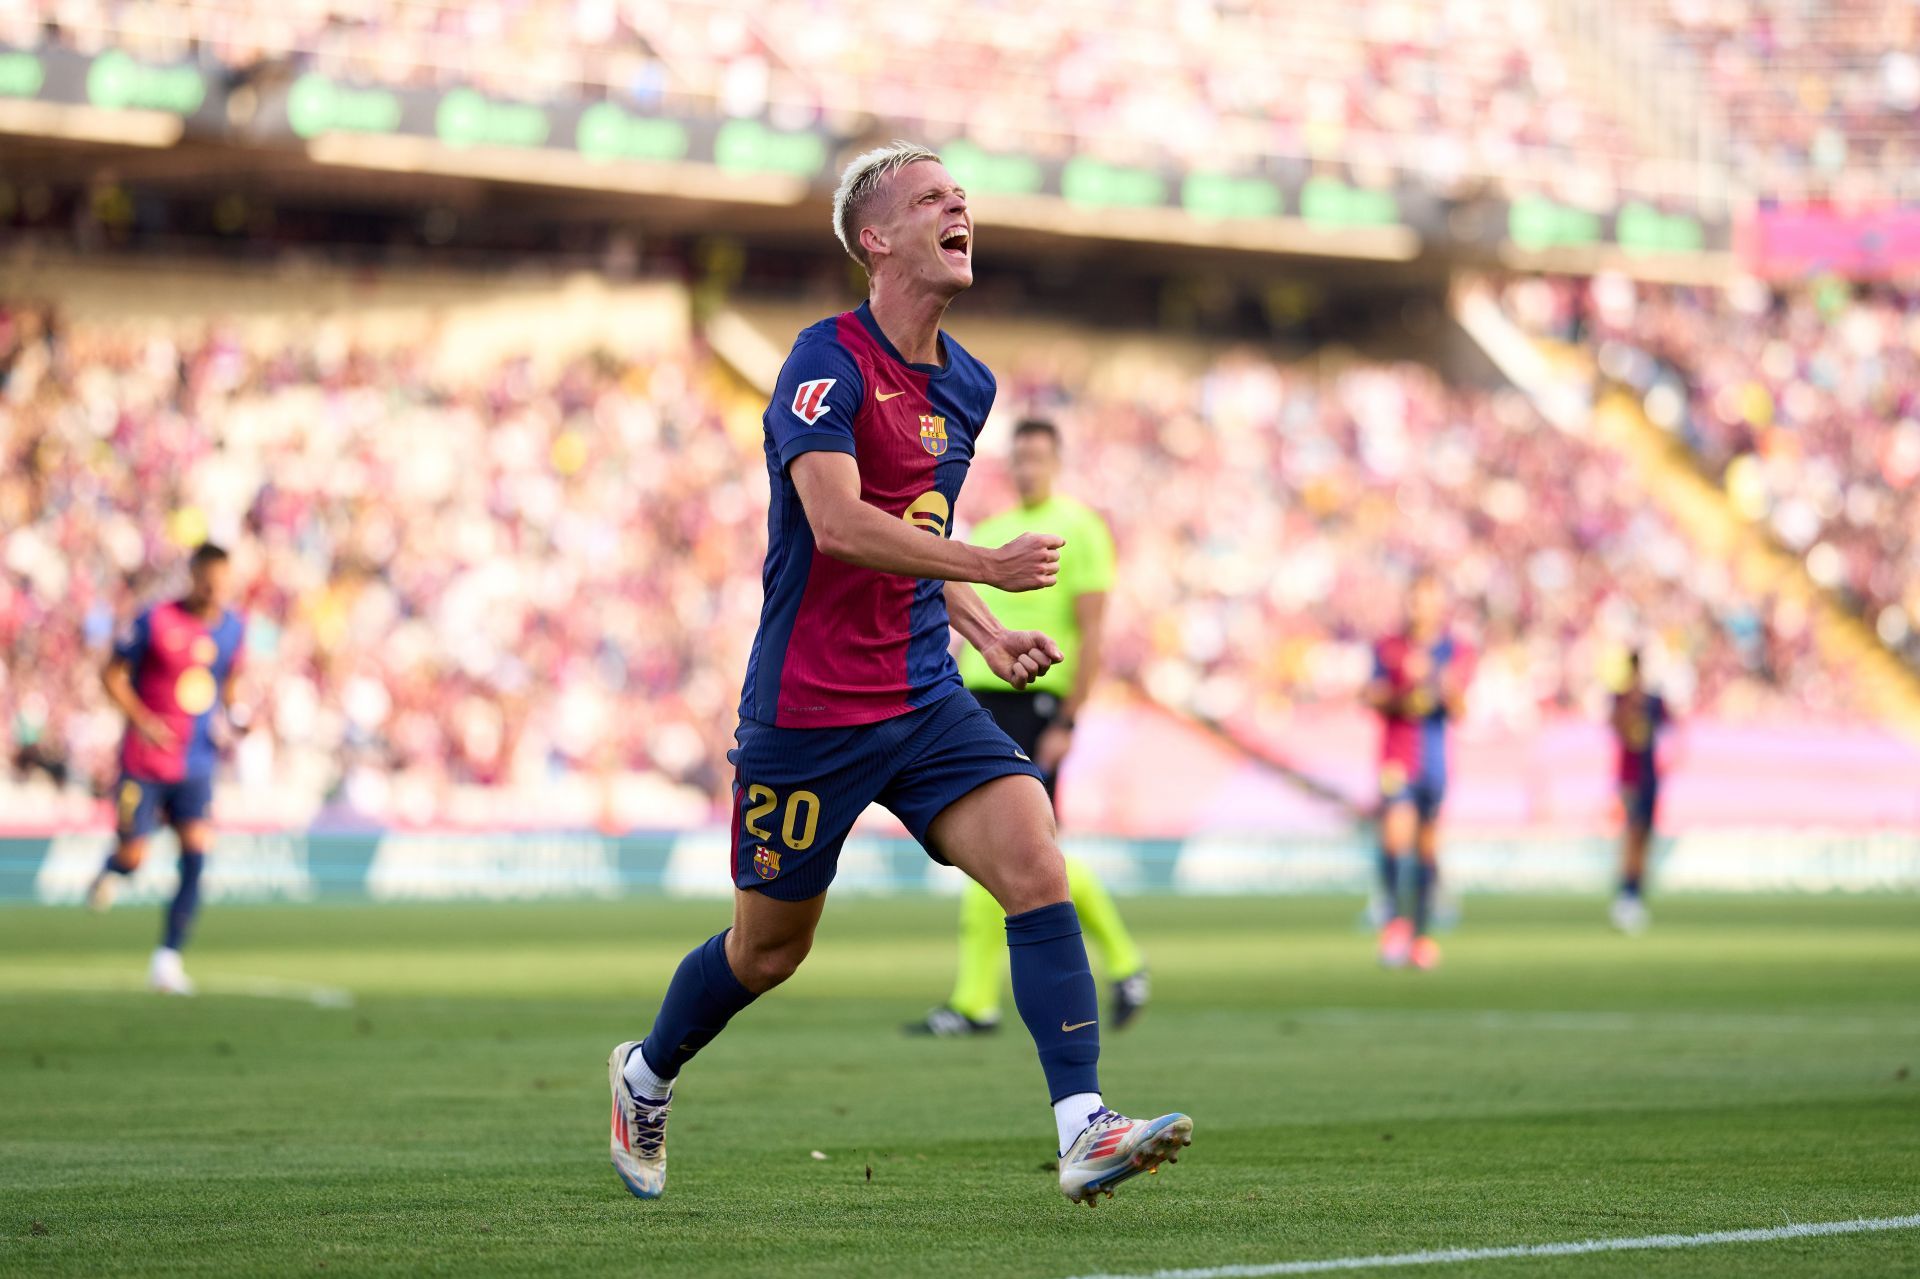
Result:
{"points": [[873, 240]]}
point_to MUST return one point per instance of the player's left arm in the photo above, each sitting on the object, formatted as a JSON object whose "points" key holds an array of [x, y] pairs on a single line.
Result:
{"points": [[1018, 657], [1459, 675], [234, 690]]}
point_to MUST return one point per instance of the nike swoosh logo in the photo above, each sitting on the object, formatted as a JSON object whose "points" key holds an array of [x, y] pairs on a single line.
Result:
{"points": [[1077, 1025], [884, 396]]}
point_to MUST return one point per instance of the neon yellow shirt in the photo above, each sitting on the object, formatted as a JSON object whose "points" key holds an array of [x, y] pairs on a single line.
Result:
{"points": [[1086, 568]]}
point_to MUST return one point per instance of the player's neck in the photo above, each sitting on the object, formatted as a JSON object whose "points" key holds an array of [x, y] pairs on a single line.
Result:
{"points": [[1034, 501], [910, 319], [200, 608]]}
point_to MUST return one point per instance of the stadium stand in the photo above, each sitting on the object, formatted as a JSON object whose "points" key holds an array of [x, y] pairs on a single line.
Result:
{"points": [[1800, 401], [1460, 94], [1804, 100], [415, 531], [1819, 99]]}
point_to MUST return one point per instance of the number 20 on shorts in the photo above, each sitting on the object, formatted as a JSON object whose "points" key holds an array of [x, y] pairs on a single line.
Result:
{"points": [[799, 818]]}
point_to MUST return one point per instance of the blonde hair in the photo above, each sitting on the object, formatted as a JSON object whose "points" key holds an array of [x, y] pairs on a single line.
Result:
{"points": [[858, 183]]}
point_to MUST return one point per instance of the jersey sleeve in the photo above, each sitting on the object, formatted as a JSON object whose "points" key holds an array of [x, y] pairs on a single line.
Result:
{"points": [[814, 401], [131, 645]]}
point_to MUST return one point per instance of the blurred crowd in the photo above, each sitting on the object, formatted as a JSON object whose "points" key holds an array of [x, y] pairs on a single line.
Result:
{"points": [[1459, 93], [1822, 97], [1804, 402], [486, 582], [1292, 504], [522, 576]]}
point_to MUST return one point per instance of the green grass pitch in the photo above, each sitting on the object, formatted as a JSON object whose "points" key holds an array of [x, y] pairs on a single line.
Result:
{"points": [[1746, 1064]]}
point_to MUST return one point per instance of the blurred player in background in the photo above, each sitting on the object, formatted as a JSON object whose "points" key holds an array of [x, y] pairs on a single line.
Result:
{"points": [[1639, 717], [1419, 686], [852, 695], [169, 674], [1040, 719]]}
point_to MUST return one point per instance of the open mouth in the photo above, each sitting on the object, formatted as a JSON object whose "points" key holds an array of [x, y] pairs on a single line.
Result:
{"points": [[955, 241]]}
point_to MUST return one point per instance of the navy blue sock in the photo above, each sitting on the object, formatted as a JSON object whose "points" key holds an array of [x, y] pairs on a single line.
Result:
{"points": [[702, 997], [113, 866], [1425, 875], [1630, 885], [1054, 991], [186, 901], [1390, 880]]}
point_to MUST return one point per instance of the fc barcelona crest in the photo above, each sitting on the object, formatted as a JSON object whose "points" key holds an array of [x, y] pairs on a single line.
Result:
{"points": [[766, 862], [933, 433]]}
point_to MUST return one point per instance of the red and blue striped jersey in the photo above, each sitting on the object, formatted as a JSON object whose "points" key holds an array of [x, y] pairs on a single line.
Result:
{"points": [[1638, 720], [1413, 736], [180, 665], [839, 644]]}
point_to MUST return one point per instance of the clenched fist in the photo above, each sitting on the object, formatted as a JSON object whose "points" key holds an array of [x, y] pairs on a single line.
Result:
{"points": [[1029, 562], [1020, 657]]}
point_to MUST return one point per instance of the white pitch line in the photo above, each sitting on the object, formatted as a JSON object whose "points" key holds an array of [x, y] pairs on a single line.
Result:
{"points": [[1447, 1256], [251, 987], [280, 988]]}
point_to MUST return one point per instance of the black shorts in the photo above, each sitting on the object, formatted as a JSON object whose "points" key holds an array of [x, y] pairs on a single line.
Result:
{"points": [[1023, 717]]}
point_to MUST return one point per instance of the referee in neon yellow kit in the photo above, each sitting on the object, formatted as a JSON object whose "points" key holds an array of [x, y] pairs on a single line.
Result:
{"points": [[1040, 719]]}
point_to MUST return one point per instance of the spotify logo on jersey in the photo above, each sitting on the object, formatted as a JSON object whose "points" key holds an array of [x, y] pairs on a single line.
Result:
{"points": [[195, 690], [930, 512]]}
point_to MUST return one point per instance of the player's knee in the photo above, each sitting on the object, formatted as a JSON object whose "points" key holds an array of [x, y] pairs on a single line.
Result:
{"points": [[761, 968], [1030, 878], [128, 856]]}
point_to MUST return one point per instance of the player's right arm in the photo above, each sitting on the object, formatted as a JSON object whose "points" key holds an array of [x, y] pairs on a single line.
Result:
{"points": [[117, 679], [810, 423], [1378, 692], [1618, 718], [851, 530]]}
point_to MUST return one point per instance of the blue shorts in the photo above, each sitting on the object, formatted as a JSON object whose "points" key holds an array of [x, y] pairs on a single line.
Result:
{"points": [[1426, 793], [140, 805], [798, 791], [1640, 800]]}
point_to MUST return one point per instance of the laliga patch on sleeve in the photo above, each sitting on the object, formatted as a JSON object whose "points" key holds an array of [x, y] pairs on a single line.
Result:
{"points": [[810, 400]]}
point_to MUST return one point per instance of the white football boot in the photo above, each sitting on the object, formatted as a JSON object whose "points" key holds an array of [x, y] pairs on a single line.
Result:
{"points": [[1630, 915], [1114, 1148], [167, 975], [639, 1132]]}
